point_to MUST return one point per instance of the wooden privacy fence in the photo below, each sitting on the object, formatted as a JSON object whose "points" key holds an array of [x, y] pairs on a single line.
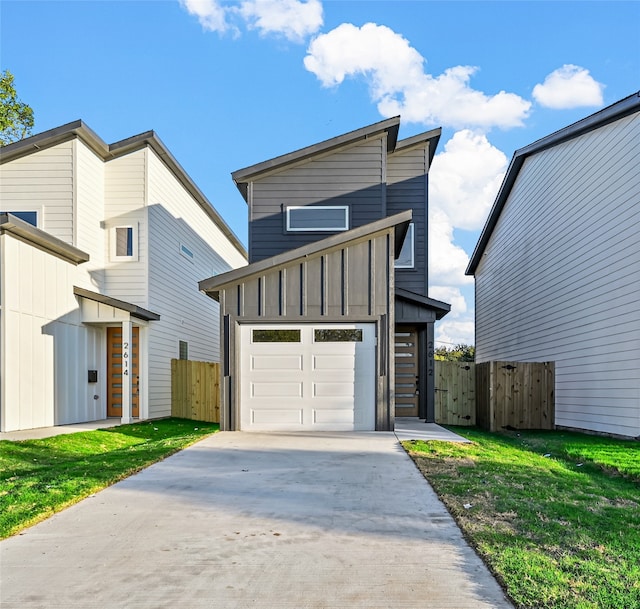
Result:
{"points": [[195, 390], [515, 395], [455, 400]]}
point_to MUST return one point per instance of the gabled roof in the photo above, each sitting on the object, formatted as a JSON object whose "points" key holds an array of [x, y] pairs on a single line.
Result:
{"points": [[420, 139], [625, 107], [400, 222], [41, 239], [242, 177], [441, 308], [78, 129]]}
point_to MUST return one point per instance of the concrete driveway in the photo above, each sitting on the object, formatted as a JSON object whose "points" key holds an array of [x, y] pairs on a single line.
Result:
{"points": [[326, 521]]}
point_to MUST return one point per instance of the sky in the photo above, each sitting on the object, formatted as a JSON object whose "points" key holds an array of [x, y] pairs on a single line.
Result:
{"points": [[229, 84]]}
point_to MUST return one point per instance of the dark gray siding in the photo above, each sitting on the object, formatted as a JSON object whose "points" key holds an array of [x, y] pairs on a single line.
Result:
{"points": [[407, 189], [352, 176]]}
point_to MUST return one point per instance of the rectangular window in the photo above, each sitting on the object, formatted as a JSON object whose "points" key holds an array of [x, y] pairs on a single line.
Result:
{"points": [[276, 336], [124, 242], [186, 252], [183, 349], [318, 218], [406, 257], [337, 336], [31, 217]]}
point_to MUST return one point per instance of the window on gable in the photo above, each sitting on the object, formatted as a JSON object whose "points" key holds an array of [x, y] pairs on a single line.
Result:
{"points": [[124, 242], [30, 217], [406, 258], [318, 218]]}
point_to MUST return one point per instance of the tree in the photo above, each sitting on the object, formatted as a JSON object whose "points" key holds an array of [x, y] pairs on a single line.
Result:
{"points": [[459, 353], [16, 117]]}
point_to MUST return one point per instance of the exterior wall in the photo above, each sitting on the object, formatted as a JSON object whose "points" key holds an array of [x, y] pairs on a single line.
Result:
{"points": [[559, 277], [175, 219], [352, 176], [407, 189], [351, 283], [46, 350], [42, 182], [124, 205]]}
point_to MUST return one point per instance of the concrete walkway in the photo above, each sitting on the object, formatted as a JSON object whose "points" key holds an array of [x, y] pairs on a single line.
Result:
{"points": [[281, 521]]}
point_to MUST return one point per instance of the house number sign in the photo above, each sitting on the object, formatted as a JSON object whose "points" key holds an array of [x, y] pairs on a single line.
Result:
{"points": [[125, 358]]}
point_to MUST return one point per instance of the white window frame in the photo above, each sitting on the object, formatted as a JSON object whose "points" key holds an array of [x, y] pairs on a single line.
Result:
{"points": [[344, 227], [113, 243], [187, 252], [411, 237]]}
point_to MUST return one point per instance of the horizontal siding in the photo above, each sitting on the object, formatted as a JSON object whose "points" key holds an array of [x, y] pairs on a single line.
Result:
{"points": [[185, 313], [407, 189], [352, 176], [559, 277], [42, 182], [125, 204]]}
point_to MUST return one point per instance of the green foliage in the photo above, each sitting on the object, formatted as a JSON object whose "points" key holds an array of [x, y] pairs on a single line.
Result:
{"points": [[555, 515], [459, 353], [16, 117], [41, 477]]}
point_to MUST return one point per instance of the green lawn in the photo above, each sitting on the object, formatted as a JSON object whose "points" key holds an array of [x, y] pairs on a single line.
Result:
{"points": [[556, 516], [40, 477]]}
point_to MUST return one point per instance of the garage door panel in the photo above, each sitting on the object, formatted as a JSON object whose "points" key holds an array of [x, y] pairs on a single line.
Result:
{"points": [[333, 362], [276, 417], [276, 362], [333, 416], [334, 390], [276, 389]]}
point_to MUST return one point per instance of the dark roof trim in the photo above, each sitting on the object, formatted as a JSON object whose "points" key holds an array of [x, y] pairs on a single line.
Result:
{"points": [[433, 137], [625, 107], [242, 177], [78, 129], [440, 308], [41, 239], [400, 222], [135, 310]]}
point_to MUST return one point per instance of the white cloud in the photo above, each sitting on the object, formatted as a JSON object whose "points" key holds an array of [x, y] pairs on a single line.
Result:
{"points": [[465, 178], [451, 295], [211, 15], [447, 261], [293, 19], [569, 87], [452, 332], [400, 85]]}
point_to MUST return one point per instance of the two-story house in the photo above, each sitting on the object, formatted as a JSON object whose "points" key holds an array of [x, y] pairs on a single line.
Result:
{"points": [[101, 248], [330, 326]]}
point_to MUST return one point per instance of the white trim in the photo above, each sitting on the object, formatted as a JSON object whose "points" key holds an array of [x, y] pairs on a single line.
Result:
{"points": [[409, 239], [343, 227], [134, 243]]}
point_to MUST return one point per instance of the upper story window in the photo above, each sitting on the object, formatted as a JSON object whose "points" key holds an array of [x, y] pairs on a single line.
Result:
{"points": [[28, 216], [318, 218], [124, 242], [406, 258], [186, 252]]}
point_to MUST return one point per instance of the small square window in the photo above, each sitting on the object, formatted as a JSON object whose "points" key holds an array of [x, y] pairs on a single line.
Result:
{"points": [[183, 349], [124, 242], [318, 218], [406, 258]]}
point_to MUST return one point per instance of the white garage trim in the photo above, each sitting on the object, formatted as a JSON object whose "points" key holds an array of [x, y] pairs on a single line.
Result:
{"points": [[301, 377]]}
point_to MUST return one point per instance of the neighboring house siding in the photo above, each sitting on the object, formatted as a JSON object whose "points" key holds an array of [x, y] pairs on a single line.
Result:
{"points": [[42, 182], [352, 176], [186, 314], [41, 327], [89, 204], [125, 204], [559, 279], [407, 189]]}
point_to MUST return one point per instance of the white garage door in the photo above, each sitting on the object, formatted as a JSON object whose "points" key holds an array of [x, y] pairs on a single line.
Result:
{"points": [[308, 377]]}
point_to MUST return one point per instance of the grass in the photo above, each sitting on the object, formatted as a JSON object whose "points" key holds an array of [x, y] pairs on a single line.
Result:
{"points": [[41, 477], [555, 516]]}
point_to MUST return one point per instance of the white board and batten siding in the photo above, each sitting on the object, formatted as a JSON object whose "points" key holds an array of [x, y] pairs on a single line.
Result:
{"points": [[559, 279], [185, 246], [41, 326]]}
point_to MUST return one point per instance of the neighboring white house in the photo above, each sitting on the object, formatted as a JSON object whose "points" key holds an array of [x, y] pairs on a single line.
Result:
{"points": [[557, 268], [101, 250]]}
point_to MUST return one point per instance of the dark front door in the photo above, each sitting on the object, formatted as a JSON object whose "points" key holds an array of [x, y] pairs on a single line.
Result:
{"points": [[406, 350]]}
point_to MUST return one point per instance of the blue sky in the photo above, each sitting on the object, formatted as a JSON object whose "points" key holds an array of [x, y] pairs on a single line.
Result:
{"points": [[229, 84]]}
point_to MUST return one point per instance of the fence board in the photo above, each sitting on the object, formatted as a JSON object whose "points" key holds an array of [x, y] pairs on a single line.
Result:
{"points": [[455, 402], [195, 390]]}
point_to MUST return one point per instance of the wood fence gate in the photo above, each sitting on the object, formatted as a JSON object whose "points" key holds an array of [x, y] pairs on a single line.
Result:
{"points": [[195, 390], [455, 401]]}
